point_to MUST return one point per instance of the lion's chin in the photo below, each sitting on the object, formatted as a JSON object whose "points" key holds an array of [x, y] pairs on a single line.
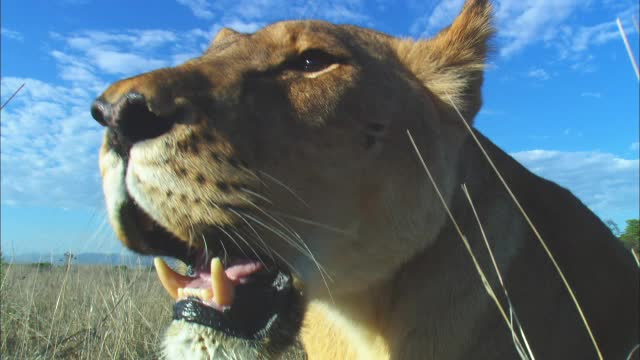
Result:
{"points": [[262, 322], [186, 340]]}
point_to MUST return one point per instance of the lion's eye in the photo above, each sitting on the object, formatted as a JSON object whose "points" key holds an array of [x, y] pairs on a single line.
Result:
{"points": [[312, 61]]}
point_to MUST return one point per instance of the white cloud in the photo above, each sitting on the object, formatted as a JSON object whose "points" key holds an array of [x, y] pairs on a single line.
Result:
{"points": [[177, 59], [585, 36], [49, 147], [605, 182], [572, 132], [123, 63], [11, 34], [34, 89], [243, 27], [596, 95], [519, 22], [575, 43], [540, 74], [441, 16], [522, 23], [199, 8], [122, 53], [583, 63], [339, 12], [266, 11], [74, 69], [137, 38], [94, 58], [49, 140]]}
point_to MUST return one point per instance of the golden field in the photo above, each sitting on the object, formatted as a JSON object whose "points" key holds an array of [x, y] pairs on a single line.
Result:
{"points": [[81, 312]]}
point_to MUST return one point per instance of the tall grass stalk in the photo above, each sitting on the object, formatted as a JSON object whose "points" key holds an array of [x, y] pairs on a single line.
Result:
{"points": [[525, 355], [533, 228], [625, 40], [12, 96], [103, 312], [513, 317]]}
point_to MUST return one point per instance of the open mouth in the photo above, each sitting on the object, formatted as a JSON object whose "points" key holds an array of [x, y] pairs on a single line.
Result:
{"points": [[239, 296], [243, 299]]}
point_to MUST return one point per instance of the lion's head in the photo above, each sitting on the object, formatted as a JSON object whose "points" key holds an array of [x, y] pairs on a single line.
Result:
{"points": [[283, 156]]}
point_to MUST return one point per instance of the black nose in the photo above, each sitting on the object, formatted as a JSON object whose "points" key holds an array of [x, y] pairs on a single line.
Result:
{"points": [[131, 118]]}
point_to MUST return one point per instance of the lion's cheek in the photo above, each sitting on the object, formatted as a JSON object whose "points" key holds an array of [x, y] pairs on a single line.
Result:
{"points": [[315, 102], [112, 169]]}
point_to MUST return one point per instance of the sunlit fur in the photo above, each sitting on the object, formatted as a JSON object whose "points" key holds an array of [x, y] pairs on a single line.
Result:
{"points": [[318, 173]]}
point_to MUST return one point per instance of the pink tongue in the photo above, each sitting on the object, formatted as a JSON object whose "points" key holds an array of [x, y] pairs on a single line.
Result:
{"points": [[238, 272]]}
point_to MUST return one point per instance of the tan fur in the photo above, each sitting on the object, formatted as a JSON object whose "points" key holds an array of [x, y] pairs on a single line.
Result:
{"points": [[330, 151]]}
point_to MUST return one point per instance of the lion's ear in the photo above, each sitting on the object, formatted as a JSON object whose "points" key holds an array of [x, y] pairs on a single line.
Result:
{"points": [[451, 64], [223, 34]]}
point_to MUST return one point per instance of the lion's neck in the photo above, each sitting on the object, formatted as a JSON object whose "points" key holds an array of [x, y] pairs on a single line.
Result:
{"points": [[347, 334], [430, 305]]}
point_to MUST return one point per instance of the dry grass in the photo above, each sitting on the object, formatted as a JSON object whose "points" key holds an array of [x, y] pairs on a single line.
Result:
{"points": [[81, 312]]}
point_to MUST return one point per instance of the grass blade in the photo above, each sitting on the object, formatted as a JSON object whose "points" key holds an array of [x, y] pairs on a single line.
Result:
{"points": [[12, 96], [533, 228], [628, 47]]}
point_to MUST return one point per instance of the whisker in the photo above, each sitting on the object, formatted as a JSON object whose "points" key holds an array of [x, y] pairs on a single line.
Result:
{"points": [[253, 175], [100, 229], [292, 232], [191, 235], [271, 251], [284, 236], [285, 187], [234, 241], [246, 235], [306, 248], [289, 265], [315, 223], [224, 252], [251, 248], [265, 246], [206, 250], [284, 226], [261, 197]]}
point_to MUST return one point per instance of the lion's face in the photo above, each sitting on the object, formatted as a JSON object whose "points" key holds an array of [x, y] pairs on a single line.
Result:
{"points": [[281, 154]]}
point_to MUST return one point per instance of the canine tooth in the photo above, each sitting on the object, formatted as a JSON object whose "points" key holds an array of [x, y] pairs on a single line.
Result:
{"points": [[171, 280], [180, 293], [223, 289]]}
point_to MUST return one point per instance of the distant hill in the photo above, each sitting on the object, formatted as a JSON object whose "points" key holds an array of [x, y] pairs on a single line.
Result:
{"points": [[83, 259]]}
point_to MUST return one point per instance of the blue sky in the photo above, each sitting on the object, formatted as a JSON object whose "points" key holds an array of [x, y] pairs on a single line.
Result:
{"points": [[560, 94]]}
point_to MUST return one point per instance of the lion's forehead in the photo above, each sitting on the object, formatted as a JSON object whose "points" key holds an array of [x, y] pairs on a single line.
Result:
{"points": [[293, 37]]}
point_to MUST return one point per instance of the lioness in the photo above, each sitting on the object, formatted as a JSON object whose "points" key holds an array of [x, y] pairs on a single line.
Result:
{"points": [[278, 166]]}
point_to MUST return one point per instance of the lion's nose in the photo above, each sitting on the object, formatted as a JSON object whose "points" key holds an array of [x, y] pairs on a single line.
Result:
{"points": [[131, 118]]}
